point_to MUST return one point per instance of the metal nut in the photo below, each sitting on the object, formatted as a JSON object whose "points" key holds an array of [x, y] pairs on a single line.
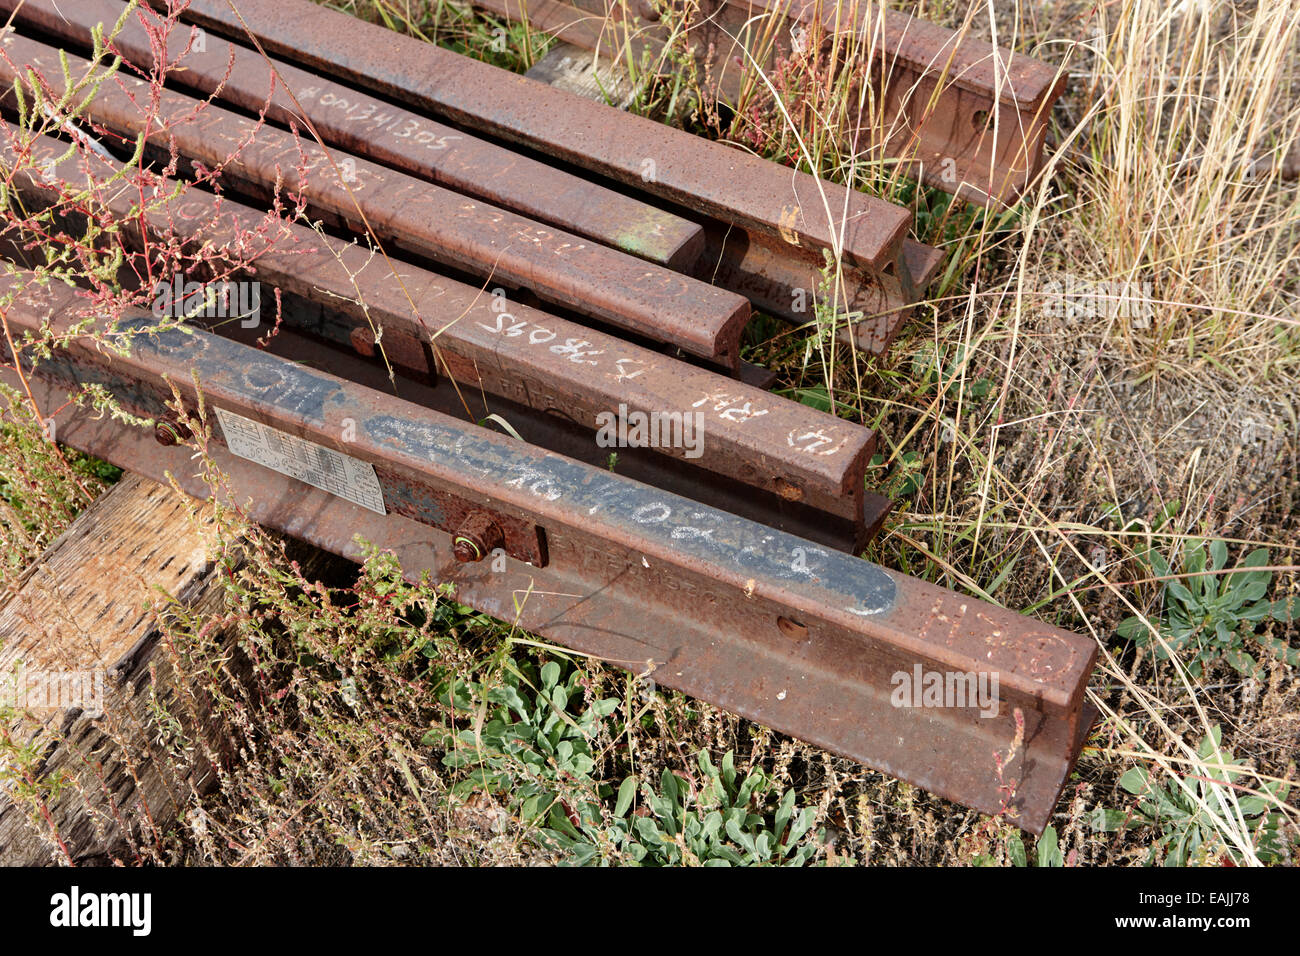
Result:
{"points": [[476, 538], [171, 431]]}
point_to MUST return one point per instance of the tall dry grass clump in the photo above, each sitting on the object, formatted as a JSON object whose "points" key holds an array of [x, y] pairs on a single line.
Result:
{"points": [[1182, 174]]}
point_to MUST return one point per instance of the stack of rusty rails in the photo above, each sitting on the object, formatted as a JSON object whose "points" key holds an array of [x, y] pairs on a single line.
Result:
{"points": [[720, 566], [596, 281], [765, 228], [525, 357], [964, 116]]}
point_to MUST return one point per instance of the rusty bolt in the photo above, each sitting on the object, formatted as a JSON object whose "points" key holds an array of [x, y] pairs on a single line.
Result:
{"points": [[476, 538], [794, 630], [171, 431]]}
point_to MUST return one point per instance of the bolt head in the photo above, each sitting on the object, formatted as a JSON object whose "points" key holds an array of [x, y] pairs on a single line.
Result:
{"points": [[476, 537], [465, 551], [169, 432]]}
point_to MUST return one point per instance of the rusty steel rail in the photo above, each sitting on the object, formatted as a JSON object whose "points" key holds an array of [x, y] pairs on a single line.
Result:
{"points": [[965, 116], [414, 216], [724, 183], [802, 639], [357, 122], [808, 466]]}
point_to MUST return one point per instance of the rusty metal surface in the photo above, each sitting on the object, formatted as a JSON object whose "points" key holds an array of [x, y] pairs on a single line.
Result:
{"points": [[412, 215], [307, 340], [524, 355], [773, 272], [357, 122], [974, 114], [773, 626], [805, 640], [785, 283], [969, 117], [708, 177], [769, 273], [776, 277]]}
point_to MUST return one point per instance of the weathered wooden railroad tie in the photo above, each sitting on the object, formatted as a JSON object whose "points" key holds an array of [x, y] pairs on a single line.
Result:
{"points": [[531, 271]]}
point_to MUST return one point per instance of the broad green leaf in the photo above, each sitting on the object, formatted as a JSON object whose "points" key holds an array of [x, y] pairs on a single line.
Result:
{"points": [[505, 694], [1251, 591], [1252, 806], [730, 855], [1158, 564], [706, 765], [1108, 821], [1167, 513], [1224, 631], [752, 783], [1218, 554], [668, 785], [645, 829], [739, 836], [783, 812], [1256, 559], [1048, 852], [1136, 781], [1241, 662], [626, 793], [1131, 628], [1286, 609], [803, 821], [1180, 593], [1016, 850], [1211, 742], [550, 674], [559, 820], [712, 826], [1282, 649]]}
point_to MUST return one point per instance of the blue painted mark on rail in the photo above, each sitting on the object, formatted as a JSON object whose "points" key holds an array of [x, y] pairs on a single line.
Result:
{"points": [[685, 526]]}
